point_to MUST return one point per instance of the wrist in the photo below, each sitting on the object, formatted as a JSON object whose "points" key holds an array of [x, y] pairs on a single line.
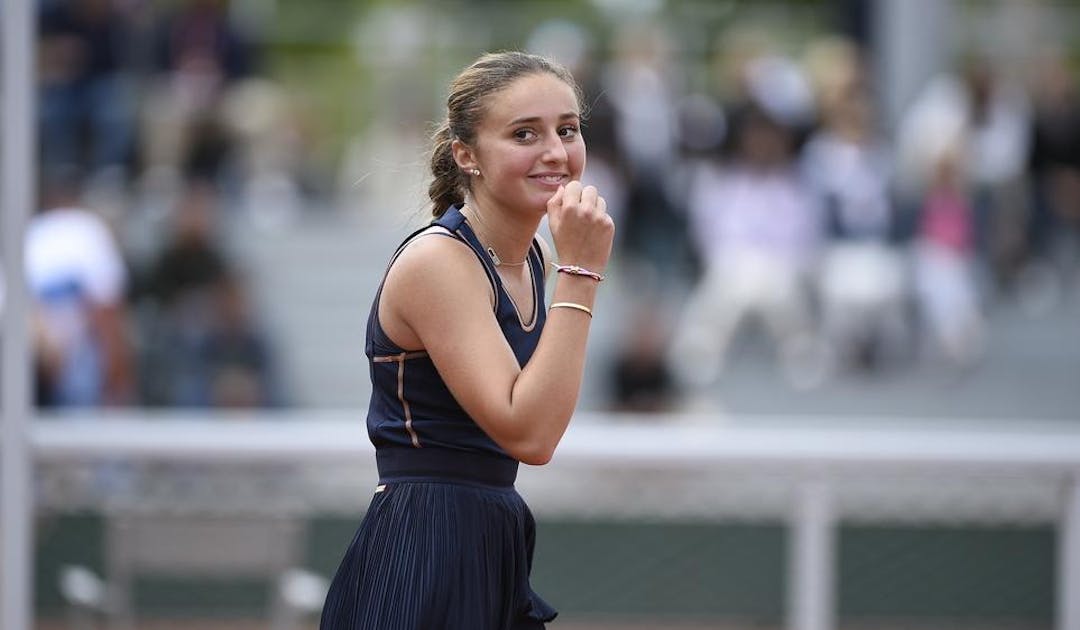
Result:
{"points": [[575, 289]]}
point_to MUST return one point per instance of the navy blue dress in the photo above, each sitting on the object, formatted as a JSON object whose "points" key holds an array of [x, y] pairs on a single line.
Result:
{"points": [[447, 542]]}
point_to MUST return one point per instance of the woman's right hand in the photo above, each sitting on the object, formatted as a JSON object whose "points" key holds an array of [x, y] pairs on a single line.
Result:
{"points": [[581, 228]]}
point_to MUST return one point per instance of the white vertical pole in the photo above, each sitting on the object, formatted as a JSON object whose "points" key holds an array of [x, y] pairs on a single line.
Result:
{"points": [[811, 559], [1068, 561], [17, 155], [912, 44]]}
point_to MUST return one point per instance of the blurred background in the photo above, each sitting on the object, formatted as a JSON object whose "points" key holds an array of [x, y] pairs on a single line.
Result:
{"points": [[856, 213]]}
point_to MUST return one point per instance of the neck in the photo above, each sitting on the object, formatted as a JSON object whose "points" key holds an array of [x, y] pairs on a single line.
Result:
{"points": [[508, 236]]}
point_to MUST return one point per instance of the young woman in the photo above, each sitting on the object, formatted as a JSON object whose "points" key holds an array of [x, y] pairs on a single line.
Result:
{"points": [[471, 374]]}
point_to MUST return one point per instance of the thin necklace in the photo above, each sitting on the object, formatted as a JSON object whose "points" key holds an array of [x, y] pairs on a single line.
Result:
{"points": [[498, 261], [495, 260]]}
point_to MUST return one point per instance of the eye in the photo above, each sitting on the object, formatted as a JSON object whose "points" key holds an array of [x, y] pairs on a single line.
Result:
{"points": [[568, 132], [524, 135]]}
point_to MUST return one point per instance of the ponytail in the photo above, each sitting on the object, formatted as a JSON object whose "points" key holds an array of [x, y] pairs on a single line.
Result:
{"points": [[447, 187]]}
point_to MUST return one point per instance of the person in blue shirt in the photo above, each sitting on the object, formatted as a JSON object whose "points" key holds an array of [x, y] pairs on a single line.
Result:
{"points": [[471, 373]]}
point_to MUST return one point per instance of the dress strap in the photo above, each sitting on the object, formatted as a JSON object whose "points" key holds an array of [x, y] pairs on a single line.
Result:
{"points": [[454, 220]]}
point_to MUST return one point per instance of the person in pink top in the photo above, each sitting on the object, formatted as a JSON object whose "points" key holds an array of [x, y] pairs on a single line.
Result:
{"points": [[943, 263]]}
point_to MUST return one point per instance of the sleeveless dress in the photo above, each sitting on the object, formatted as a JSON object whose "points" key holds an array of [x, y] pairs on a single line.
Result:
{"points": [[447, 542]]}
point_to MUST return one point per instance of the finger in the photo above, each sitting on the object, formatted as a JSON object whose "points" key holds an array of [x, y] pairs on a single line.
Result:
{"points": [[556, 199], [601, 205], [589, 196], [573, 191]]}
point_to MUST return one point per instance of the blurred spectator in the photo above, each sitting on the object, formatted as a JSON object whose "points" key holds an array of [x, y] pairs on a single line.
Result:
{"points": [[76, 276], [778, 85], [934, 125], [861, 277], [201, 55], [87, 102], [834, 65], [272, 152], [1055, 169], [999, 131], [757, 229], [199, 43], [944, 258], [987, 119], [756, 78], [641, 380], [239, 362], [202, 345], [191, 263], [642, 80], [182, 283]]}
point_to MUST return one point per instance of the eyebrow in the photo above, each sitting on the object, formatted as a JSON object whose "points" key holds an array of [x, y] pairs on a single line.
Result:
{"points": [[532, 119]]}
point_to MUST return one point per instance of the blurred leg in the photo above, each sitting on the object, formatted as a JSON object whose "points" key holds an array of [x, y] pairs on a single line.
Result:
{"points": [[701, 340]]}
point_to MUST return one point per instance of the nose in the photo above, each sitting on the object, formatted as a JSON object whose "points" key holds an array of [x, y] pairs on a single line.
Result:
{"points": [[554, 150]]}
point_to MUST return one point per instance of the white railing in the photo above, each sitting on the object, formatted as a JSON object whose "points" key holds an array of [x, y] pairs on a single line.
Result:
{"points": [[819, 475], [17, 177]]}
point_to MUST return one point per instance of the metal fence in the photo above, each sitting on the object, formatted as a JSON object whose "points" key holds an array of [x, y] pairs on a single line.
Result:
{"points": [[815, 486]]}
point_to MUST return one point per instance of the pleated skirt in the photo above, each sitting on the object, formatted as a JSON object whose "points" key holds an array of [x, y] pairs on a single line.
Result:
{"points": [[436, 553]]}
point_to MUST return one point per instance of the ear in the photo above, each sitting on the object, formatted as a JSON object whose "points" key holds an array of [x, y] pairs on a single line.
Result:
{"points": [[463, 156]]}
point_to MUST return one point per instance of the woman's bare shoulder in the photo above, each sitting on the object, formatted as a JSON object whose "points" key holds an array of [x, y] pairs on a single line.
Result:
{"points": [[432, 267], [434, 252], [435, 280]]}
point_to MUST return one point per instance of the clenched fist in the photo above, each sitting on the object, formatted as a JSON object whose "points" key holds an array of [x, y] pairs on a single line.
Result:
{"points": [[581, 228]]}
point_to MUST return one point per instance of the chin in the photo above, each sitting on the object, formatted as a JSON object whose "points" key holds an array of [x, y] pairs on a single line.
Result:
{"points": [[534, 200], [537, 208], [541, 194]]}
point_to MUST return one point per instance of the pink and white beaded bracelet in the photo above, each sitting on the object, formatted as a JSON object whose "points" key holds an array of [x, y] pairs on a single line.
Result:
{"points": [[575, 270]]}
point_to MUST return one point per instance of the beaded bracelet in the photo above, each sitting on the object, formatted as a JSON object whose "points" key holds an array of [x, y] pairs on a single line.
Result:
{"points": [[573, 305], [575, 270]]}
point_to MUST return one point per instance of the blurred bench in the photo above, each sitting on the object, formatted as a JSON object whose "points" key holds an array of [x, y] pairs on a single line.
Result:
{"points": [[186, 546]]}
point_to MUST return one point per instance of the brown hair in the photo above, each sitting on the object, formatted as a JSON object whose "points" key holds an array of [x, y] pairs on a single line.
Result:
{"points": [[465, 108]]}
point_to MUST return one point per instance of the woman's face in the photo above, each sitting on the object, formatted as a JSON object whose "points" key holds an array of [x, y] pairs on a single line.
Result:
{"points": [[528, 144]]}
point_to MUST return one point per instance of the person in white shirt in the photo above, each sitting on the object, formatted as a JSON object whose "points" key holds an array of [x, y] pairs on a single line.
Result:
{"points": [[76, 277]]}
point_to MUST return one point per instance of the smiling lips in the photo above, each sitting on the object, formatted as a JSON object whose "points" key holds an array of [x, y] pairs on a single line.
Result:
{"points": [[551, 179]]}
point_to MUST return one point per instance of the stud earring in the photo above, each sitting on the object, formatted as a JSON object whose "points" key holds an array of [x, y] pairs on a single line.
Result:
{"points": [[475, 172]]}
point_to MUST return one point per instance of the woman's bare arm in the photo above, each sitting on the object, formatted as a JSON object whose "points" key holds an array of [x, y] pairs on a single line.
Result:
{"points": [[437, 297]]}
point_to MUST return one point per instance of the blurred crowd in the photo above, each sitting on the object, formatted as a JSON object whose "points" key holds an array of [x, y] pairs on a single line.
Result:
{"points": [[762, 195], [773, 201], [152, 111]]}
